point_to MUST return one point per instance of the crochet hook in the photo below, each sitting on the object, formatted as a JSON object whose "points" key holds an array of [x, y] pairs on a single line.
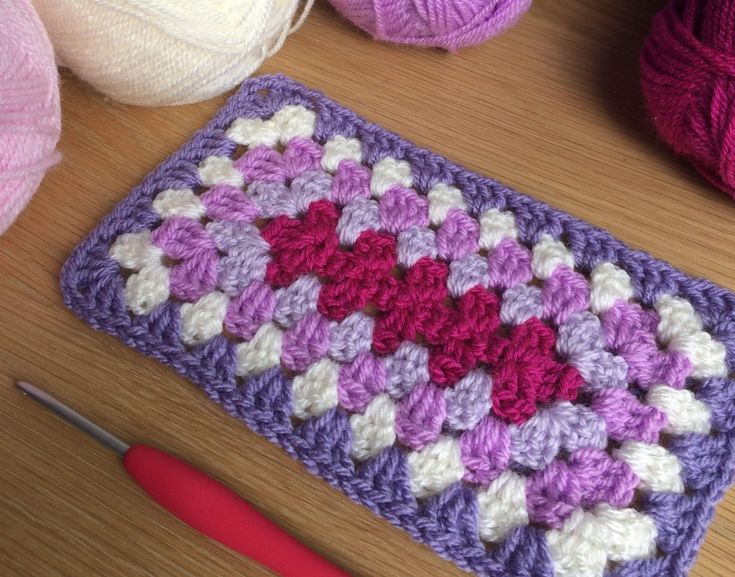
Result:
{"points": [[201, 501]]}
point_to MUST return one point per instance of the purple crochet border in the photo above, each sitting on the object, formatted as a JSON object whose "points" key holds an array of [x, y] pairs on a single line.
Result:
{"points": [[93, 288]]}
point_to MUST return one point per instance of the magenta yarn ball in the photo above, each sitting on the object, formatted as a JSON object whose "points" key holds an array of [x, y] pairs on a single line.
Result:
{"points": [[449, 24], [688, 81]]}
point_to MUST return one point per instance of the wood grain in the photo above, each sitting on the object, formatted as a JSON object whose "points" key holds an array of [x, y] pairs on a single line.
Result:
{"points": [[552, 107]]}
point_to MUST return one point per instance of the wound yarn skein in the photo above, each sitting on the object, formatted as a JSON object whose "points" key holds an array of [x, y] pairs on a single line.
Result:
{"points": [[164, 52], [449, 24], [30, 114], [688, 79]]}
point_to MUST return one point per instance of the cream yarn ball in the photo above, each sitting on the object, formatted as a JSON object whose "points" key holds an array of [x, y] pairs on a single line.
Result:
{"points": [[160, 52]]}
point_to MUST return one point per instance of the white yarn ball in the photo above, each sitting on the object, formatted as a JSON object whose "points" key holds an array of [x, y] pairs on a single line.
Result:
{"points": [[160, 52]]}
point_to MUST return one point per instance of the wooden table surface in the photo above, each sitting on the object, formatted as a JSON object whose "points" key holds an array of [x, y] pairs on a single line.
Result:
{"points": [[552, 107]]}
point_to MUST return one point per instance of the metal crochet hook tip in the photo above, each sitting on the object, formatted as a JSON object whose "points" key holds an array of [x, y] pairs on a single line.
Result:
{"points": [[74, 418]]}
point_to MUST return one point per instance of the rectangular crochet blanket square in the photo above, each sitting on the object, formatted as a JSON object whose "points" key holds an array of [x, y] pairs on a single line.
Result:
{"points": [[513, 387]]}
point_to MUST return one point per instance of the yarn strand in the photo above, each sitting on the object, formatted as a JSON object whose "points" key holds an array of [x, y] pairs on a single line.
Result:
{"points": [[292, 28]]}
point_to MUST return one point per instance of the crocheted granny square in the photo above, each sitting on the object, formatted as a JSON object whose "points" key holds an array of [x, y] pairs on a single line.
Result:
{"points": [[513, 387]]}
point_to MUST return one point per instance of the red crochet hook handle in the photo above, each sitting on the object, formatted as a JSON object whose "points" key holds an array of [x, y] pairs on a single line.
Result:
{"points": [[201, 501], [211, 508]]}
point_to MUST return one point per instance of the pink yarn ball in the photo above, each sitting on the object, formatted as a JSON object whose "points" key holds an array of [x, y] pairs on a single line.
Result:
{"points": [[449, 24], [30, 114]]}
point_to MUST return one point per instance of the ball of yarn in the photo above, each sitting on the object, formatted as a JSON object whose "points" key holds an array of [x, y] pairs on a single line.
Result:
{"points": [[30, 115], [688, 79], [449, 24], [161, 52]]}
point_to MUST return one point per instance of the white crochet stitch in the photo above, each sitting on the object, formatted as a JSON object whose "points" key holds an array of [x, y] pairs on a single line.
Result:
{"points": [[315, 391], [588, 540], [178, 202], [261, 353], [388, 172], [374, 429], [496, 226], [435, 467], [657, 469], [681, 329], [608, 284], [254, 132], [684, 412], [502, 506], [548, 254], [338, 149], [134, 250], [219, 170], [147, 288], [294, 121], [202, 320], [443, 198]]}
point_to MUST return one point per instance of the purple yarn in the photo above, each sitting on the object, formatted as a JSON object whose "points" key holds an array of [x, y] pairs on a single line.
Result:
{"points": [[580, 333], [578, 426], [600, 369], [553, 494], [626, 417], [182, 238], [401, 208], [631, 333], [407, 368], [580, 343], [301, 155], [305, 342], [602, 479], [419, 416], [415, 243], [520, 303], [272, 199], [467, 272], [349, 338], [458, 236], [468, 401], [232, 237], [509, 265], [227, 202], [719, 394], [296, 300], [359, 215], [308, 187], [250, 310], [535, 443], [485, 450], [237, 270], [450, 24], [351, 180], [187, 241], [565, 292], [192, 279], [93, 287], [360, 381], [261, 164], [703, 457]]}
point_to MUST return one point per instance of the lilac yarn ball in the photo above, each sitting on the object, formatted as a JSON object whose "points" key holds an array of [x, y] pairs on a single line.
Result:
{"points": [[450, 24]]}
